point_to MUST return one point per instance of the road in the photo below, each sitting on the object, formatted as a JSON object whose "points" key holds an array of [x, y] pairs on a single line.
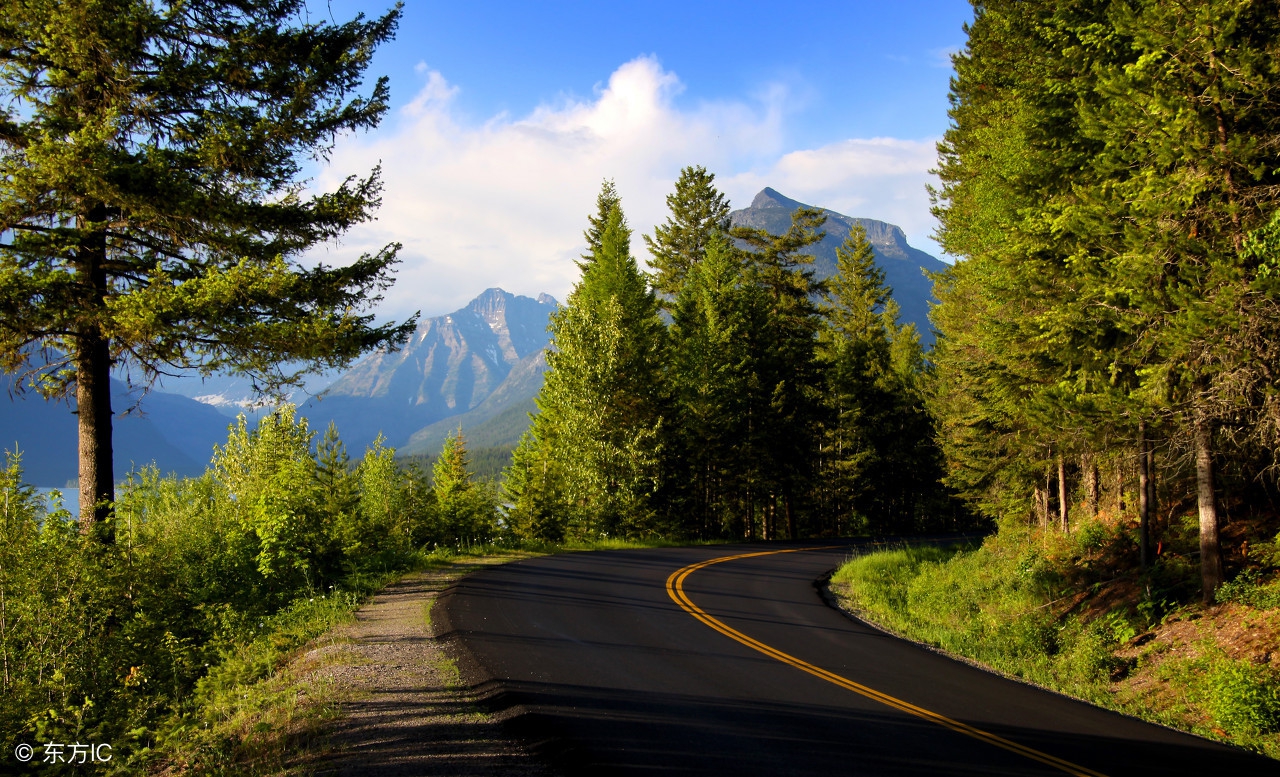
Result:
{"points": [[651, 662]]}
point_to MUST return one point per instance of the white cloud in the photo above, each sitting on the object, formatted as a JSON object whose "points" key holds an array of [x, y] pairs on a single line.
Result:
{"points": [[504, 202]]}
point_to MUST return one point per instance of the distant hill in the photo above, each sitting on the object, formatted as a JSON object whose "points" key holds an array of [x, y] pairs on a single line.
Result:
{"points": [[174, 432], [902, 264]]}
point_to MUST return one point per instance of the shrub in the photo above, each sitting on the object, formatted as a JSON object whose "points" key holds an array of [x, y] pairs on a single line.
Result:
{"points": [[1244, 699]]}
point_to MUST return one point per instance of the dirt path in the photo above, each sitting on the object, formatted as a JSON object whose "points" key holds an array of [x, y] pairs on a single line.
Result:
{"points": [[402, 710]]}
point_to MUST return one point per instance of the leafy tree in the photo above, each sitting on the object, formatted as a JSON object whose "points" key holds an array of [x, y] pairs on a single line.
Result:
{"points": [[269, 473], [698, 211], [150, 213]]}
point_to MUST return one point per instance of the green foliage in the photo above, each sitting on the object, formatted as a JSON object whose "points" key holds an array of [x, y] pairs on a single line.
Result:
{"points": [[149, 206], [465, 509], [600, 426], [1244, 698], [879, 467], [698, 211], [1251, 588], [1007, 605], [149, 642]]}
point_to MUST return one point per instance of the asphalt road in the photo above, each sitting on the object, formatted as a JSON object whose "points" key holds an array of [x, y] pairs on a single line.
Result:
{"points": [[604, 673]]}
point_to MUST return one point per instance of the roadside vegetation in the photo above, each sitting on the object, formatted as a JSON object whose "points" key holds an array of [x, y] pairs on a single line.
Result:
{"points": [[168, 644], [1075, 613]]}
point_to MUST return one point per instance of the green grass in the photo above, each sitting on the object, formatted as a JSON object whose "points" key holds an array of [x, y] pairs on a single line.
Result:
{"points": [[1018, 604]]}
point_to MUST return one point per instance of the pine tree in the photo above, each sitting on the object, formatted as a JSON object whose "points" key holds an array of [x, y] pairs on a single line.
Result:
{"points": [[606, 201], [533, 485], [713, 380], [698, 211], [784, 406], [601, 409], [149, 209], [465, 507]]}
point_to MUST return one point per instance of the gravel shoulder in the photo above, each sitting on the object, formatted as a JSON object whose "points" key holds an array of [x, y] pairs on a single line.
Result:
{"points": [[400, 706]]}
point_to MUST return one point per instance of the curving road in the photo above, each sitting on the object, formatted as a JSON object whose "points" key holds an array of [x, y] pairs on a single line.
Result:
{"points": [[654, 662]]}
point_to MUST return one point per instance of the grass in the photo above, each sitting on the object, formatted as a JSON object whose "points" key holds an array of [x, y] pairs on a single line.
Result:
{"points": [[1070, 613]]}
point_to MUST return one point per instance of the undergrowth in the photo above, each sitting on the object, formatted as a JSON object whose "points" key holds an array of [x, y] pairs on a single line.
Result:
{"points": [[1073, 614]]}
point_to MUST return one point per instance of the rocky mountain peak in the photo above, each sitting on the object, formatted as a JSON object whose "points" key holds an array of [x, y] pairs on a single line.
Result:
{"points": [[770, 198], [902, 264], [491, 305]]}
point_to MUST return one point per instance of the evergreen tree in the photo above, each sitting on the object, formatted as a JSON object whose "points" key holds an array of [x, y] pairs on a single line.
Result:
{"points": [[712, 371], [1108, 165], [601, 409], [606, 201], [698, 211], [465, 508], [149, 212], [533, 486], [784, 403]]}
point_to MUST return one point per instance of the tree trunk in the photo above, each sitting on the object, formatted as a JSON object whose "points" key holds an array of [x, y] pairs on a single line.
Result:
{"points": [[1090, 473], [1120, 477], [1153, 505], [1144, 497], [1062, 493], [1210, 549], [791, 518], [93, 386], [1041, 505]]}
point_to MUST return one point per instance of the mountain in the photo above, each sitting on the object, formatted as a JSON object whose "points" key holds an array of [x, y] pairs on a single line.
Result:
{"points": [[479, 368], [469, 365], [901, 263], [175, 432], [497, 421]]}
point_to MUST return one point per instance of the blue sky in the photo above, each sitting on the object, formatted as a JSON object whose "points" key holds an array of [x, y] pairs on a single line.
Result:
{"points": [[506, 116]]}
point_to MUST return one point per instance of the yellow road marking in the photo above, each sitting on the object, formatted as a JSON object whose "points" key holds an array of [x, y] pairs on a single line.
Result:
{"points": [[675, 588]]}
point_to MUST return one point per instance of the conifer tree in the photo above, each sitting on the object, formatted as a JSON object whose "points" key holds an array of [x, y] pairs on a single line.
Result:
{"points": [[601, 409], [534, 487], [149, 210], [698, 211], [606, 201], [713, 380], [784, 406], [465, 507]]}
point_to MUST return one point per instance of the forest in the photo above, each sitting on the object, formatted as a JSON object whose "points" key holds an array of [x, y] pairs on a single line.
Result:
{"points": [[1103, 385]]}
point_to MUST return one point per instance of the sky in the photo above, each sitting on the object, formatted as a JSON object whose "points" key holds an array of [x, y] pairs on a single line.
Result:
{"points": [[506, 117]]}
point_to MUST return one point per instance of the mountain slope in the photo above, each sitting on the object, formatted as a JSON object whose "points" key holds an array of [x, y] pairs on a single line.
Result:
{"points": [[174, 432], [450, 366], [902, 264], [498, 421]]}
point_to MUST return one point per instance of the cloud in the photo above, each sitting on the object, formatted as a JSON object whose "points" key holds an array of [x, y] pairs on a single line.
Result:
{"points": [[504, 202]]}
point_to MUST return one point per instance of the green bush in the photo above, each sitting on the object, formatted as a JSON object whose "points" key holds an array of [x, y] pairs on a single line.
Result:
{"points": [[211, 582], [1244, 699], [1249, 587]]}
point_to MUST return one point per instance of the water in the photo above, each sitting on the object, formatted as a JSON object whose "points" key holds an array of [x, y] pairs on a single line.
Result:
{"points": [[70, 498]]}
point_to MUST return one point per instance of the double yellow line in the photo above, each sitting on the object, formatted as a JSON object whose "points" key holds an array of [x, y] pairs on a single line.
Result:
{"points": [[675, 588]]}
